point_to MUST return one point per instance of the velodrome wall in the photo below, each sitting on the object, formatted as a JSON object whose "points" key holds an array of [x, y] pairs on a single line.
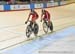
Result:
{"points": [[31, 6]]}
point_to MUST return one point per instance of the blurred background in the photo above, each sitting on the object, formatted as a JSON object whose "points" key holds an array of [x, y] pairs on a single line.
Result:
{"points": [[30, 1]]}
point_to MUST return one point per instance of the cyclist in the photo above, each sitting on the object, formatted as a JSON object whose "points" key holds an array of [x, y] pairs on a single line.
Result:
{"points": [[33, 18], [45, 16]]}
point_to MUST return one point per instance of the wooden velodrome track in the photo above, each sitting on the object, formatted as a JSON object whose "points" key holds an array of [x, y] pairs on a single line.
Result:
{"points": [[12, 27]]}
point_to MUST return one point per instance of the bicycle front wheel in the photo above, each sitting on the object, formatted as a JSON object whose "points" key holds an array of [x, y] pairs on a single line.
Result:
{"points": [[28, 31], [45, 27]]}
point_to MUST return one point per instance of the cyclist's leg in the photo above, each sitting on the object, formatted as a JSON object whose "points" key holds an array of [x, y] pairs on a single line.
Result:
{"points": [[45, 20], [35, 28], [49, 24], [31, 23], [34, 21]]}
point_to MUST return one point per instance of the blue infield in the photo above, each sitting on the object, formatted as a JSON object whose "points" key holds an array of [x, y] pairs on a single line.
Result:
{"points": [[34, 45]]}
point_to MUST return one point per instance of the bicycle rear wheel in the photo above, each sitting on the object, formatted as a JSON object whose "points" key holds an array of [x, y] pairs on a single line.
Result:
{"points": [[36, 29], [51, 27]]}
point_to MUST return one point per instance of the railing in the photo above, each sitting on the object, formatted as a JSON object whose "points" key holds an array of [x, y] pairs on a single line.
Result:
{"points": [[5, 6]]}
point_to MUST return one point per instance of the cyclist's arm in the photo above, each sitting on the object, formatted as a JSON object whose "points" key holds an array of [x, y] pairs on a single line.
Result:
{"points": [[28, 17], [42, 16]]}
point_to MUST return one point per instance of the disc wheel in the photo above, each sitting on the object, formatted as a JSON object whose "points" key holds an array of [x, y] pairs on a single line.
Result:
{"points": [[51, 26], [36, 28]]}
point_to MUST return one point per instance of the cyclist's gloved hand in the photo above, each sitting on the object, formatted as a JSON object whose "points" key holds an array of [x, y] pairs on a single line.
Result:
{"points": [[26, 22]]}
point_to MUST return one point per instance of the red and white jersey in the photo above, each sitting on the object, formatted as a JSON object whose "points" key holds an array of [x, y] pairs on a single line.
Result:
{"points": [[34, 16], [46, 15]]}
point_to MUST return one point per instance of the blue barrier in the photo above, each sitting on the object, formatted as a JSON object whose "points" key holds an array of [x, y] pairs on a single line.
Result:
{"points": [[30, 6], [44, 5], [7, 7]]}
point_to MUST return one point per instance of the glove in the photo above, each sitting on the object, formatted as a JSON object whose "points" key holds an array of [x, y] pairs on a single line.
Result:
{"points": [[26, 22]]}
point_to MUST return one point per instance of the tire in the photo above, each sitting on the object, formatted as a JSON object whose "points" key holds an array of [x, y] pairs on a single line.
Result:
{"points": [[51, 27], [28, 31], [45, 27], [36, 28]]}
